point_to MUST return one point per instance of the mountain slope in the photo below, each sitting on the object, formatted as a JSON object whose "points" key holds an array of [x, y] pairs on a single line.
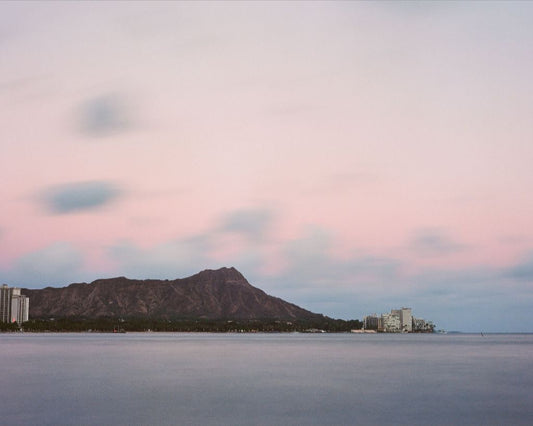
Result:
{"points": [[213, 294]]}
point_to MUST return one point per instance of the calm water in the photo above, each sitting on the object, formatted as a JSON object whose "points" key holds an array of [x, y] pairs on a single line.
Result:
{"points": [[276, 379]]}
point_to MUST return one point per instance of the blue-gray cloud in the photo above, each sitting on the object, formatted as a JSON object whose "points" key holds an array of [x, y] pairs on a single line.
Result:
{"points": [[56, 265], [522, 271], [311, 264], [103, 116], [472, 299], [347, 287], [80, 196], [468, 299], [434, 242], [253, 223], [172, 259]]}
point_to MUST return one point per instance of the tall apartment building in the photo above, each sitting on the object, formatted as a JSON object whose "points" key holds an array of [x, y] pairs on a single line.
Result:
{"points": [[398, 321], [14, 307], [406, 318], [391, 323], [371, 322]]}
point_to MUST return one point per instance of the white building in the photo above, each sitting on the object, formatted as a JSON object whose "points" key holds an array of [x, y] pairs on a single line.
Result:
{"points": [[397, 321], [14, 307], [406, 319], [390, 323]]}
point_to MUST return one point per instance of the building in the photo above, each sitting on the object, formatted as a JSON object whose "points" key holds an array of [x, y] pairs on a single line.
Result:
{"points": [[391, 323], [420, 325], [397, 321], [14, 307], [372, 322], [406, 319]]}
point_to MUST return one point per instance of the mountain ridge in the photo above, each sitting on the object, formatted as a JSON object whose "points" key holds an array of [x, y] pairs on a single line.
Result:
{"points": [[210, 294]]}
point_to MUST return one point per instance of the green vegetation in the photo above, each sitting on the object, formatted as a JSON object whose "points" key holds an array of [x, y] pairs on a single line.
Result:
{"points": [[110, 325], [9, 326]]}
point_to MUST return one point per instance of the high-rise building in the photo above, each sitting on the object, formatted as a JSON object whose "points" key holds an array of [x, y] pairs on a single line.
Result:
{"points": [[398, 321], [14, 307], [406, 319], [391, 323], [371, 322]]}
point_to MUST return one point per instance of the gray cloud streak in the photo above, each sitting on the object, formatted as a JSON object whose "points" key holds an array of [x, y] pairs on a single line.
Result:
{"points": [[171, 259], [103, 116], [58, 264], [253, 223], [80, 196], [469, 299], [433, 242], [522, 271]]}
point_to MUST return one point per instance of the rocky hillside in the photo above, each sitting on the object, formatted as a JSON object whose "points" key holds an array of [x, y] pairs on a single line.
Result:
{"points": [[213, 294]]}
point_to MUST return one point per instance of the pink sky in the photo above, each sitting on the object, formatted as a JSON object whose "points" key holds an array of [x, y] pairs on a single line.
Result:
{"points": [[348, 157]]}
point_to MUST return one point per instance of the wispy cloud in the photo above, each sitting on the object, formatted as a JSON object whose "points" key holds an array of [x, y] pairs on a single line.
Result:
{"points": [[433, 242], [311, 263], [253, 223], [55, 265], [104, 115], [79, 196], [171, 259], [179, 257], [469, 299], [522, 271]]}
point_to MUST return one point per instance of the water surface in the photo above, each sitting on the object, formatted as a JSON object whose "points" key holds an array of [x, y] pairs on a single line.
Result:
{"points": [[265, 379]]}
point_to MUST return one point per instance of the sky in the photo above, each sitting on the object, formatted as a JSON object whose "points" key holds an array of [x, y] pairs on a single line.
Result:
{"points": [[348, 157]]}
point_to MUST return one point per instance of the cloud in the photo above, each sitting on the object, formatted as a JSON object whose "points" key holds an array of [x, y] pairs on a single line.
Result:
{"points": [[57, 264], [522, 271], [312, 275], [433, 242], [311, 262], [103, 116], [467, 298], [472, 299], [316, 279], [216, 247], [171, 259], [252, 223], [80, 196]]}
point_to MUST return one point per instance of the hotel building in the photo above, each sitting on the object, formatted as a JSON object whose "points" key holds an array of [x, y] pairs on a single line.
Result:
{"points": [[14, 307], [398, 321]]}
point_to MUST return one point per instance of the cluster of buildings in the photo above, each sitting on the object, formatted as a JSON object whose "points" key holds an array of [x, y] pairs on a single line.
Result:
{"points": [[398, 321], [14, 307]]}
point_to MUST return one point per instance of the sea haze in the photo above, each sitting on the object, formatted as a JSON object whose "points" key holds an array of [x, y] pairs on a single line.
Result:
{"points": [[266, 379]]}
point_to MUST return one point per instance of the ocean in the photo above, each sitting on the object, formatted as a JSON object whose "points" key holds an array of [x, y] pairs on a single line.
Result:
{"points": [[266, 379]]}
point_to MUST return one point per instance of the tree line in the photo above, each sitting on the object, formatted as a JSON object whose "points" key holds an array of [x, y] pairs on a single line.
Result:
{"points": [[110, 325]]}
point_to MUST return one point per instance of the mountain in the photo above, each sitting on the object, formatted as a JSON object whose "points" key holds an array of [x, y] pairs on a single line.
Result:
{"points": [[211, 294]]}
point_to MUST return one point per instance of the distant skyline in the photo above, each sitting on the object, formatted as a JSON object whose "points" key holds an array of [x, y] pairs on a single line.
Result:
{"points": [[348, 157]]}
